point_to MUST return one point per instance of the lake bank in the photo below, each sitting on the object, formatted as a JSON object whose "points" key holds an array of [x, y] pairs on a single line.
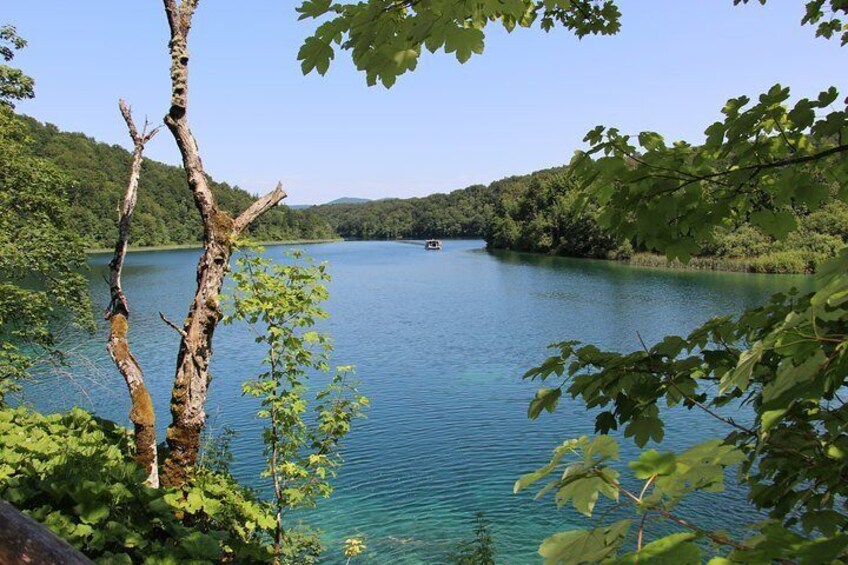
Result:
{"points": [[780, 263], [175, 247], [772, 264], [747, 265]]}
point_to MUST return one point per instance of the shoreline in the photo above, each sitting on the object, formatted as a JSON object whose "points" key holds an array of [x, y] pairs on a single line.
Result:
{"points": [[657, 262], [178, 246], [642, 260]]}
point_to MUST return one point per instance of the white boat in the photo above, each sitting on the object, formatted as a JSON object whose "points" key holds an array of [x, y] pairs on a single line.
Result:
{"points": [[433, 245]]}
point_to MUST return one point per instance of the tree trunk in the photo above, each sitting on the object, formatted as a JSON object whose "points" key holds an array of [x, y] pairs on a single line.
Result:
{"points": [[25, 541], [142, 414], [220, 230]]}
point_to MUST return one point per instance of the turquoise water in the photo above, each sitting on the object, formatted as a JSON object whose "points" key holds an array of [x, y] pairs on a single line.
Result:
{"points": [[440, 341]]}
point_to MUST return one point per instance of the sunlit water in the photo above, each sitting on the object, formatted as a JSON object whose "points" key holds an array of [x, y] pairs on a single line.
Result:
{"points": [[440, 341]]}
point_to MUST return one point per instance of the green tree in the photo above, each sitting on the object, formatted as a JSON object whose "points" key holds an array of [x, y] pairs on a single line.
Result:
{"points": [[282, 303], [386, 37], [786, 362], [42, 288], [14, 84]]}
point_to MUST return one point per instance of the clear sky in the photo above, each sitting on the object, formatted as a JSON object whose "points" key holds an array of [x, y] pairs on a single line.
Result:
{"points": [[523, 105]]}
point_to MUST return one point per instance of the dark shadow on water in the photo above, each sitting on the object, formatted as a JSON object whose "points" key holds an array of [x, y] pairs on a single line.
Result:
{"points": [[624, 271]]}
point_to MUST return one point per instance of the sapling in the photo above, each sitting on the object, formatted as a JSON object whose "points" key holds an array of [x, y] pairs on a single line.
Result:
{"points": [[281, 303]]}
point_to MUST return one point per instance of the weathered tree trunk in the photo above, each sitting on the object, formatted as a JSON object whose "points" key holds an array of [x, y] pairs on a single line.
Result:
{"points": [[25, 541], [142, 414], [192, 379]]}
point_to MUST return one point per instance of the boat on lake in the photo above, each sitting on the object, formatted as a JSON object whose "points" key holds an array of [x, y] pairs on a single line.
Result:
{"points": [[433, 245]]}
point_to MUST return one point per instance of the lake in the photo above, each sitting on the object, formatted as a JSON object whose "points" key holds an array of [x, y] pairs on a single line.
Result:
{"points": [[440, 341]]}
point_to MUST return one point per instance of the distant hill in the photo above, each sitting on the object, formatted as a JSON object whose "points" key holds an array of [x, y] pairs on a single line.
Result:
{"points": [[349, 200], [166, 213], [342, 200], [464, 213]]}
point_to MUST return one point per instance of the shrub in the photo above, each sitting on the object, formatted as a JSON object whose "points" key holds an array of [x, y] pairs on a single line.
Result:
{"points": [[744, 241], [74, 473], [784, 262]]}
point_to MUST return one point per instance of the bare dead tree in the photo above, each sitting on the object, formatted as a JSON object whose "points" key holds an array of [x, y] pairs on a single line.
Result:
{"points": [[220, 230], [118, 312]]}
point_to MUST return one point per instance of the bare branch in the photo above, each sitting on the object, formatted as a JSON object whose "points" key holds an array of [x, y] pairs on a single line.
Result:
{"points": [[142, 414], [172, 12], [258, 208], [174, 326], [126, 112], [187, 8]]}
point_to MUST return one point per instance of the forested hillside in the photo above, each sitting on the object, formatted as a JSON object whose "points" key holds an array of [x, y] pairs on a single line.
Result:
{"points": [[166, 213], [540, 212], [462, 213], [546, 214]]}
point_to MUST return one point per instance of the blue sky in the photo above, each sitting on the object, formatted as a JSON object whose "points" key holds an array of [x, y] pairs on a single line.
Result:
{"points": [[523, 105]]}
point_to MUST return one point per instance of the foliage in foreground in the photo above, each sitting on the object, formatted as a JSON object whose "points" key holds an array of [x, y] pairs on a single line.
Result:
{"points": [[41, 256], [75, 474], [282, 303], [780, 369]]}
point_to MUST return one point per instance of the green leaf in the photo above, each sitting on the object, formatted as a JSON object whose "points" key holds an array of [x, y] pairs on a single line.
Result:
{"points": [[92, 511], [795, 378], [315, 54], [546, 399], [464, 42], [643, 429], [676, 549], [581, 546], [777, 224], [741, 375], [201, 546], [583, 490], [651, 141], [652, 463]]}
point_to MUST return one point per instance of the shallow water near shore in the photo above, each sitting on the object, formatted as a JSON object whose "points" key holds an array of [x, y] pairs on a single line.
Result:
{"points": [[440, 340]]}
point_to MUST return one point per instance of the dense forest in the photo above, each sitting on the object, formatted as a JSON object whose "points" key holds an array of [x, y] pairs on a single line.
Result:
{"points": [[463, 213], [166, 214], [546, 213], [541, 212]]}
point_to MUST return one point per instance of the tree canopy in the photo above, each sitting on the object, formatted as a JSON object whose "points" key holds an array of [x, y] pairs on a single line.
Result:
{"points": [[14, 84], [166, 213], [783, 364], [42, 287], [386, 37]]}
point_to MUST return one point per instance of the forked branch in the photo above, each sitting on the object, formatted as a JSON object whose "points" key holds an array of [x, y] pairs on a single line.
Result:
{"points": [[258, 208]]}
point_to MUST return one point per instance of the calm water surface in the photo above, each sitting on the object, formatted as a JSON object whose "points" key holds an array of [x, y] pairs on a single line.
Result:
{"points": [[440, 341]]}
